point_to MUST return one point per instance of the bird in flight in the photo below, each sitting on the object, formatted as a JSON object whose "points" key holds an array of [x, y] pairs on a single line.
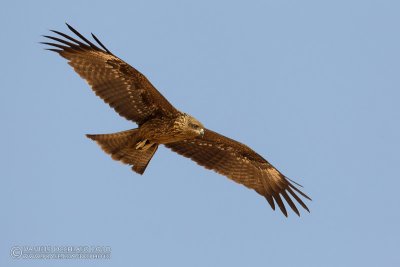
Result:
{"points": [[159, 123]]}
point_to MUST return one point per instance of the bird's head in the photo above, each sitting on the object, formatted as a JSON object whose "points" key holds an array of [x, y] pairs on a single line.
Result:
{"points": [[189, 126]]}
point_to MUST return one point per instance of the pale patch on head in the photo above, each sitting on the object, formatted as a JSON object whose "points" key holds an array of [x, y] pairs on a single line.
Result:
{"points": [[189, 126]]}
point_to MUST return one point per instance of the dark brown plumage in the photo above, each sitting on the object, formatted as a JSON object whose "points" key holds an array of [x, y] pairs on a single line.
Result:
{"points": [[129, 92]]}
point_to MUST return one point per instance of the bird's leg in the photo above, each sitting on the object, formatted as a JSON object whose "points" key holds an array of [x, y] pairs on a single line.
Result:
{"points": [[144, 144], [147, 146], [141, 144]]}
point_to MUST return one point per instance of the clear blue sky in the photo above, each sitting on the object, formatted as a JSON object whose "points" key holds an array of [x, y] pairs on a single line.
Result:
{"points": [[313, 86]]}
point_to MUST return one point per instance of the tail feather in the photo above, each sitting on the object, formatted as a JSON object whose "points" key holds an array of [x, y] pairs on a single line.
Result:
{"points": [[122, 146]]}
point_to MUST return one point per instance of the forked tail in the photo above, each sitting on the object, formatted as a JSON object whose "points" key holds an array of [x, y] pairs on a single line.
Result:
{"points": [[122, 146]]}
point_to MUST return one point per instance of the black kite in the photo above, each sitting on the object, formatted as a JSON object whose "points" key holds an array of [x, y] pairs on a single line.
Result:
{"points": [[129, 92]]}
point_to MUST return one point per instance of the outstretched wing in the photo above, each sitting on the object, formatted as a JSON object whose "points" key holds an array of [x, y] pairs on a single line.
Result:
{"points": [[244, 166], [120, 85]]}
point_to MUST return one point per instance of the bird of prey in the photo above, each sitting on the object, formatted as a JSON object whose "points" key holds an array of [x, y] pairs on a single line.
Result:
{"points": [[159, 123]]}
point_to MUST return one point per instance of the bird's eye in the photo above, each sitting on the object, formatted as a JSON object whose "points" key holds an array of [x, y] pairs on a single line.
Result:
{"points": [[195, 126]]}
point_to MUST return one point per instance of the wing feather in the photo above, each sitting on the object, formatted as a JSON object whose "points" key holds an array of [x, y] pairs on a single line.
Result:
{"points": [[241, 164], [120, 85]]}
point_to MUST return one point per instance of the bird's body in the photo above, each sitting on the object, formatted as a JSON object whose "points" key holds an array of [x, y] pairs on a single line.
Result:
{"points": [[170, 130], [130, 93]]}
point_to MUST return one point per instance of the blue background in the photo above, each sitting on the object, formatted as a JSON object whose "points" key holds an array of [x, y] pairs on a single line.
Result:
{"points": [[313, 86]]}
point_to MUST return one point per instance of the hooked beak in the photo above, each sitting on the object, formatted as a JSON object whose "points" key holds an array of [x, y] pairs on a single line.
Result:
{"points": [[202, 132]]}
